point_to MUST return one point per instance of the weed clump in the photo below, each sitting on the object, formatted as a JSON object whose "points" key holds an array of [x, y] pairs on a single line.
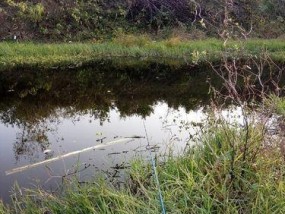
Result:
{"points": [[276, 104]]}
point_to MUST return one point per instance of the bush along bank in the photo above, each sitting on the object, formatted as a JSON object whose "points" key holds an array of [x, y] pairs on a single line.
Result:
{"points": [[57, 20]]}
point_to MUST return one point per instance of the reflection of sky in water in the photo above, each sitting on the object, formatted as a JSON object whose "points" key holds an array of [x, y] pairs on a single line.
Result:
{"points": [[166, 128]]}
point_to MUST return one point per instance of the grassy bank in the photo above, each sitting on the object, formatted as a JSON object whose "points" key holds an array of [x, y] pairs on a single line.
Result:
{"points": [[219, 176], [138, 49]]}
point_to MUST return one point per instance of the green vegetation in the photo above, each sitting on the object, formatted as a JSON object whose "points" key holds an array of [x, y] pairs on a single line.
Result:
{"points": [[219, 175], [232, 169], [276, 104], [1, 207], [172, 51], [79, 20]]}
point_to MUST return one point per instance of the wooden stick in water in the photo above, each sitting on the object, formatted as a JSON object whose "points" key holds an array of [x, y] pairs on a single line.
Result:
{"points": [[23, 168]]}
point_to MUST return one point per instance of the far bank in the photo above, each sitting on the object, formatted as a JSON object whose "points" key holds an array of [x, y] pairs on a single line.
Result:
{"points": [[133, 51]]}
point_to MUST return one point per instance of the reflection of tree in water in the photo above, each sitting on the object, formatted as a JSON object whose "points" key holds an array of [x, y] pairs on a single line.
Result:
{"points": [[37, 123], [31, 141], [71, 95], [34, 122]]}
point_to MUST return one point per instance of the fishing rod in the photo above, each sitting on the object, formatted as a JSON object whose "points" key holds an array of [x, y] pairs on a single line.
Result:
{"points": [[155, 174]]}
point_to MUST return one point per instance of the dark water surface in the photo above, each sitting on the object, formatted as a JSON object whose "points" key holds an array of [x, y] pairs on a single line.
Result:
{"points": [[60, 112]]}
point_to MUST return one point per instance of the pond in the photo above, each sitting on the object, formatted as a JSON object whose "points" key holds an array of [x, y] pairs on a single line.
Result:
{"points": [[88, 123], [44, 115]]}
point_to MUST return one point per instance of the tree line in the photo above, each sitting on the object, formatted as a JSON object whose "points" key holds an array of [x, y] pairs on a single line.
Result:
{"points": [[89, 19]]}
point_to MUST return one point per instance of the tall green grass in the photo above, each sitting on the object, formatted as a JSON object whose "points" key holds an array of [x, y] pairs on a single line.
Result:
{"points": [[65, 55], [212, 177], [2, 209], [276, 104]]}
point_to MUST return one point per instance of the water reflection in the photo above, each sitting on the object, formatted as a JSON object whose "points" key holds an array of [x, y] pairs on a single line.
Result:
{"points": [[35, 101], [34, 138], [49, 115], [71, 133], [31, 141]]}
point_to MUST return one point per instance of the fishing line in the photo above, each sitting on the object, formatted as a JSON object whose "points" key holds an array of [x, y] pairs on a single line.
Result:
{"points": [[155, 174]]}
